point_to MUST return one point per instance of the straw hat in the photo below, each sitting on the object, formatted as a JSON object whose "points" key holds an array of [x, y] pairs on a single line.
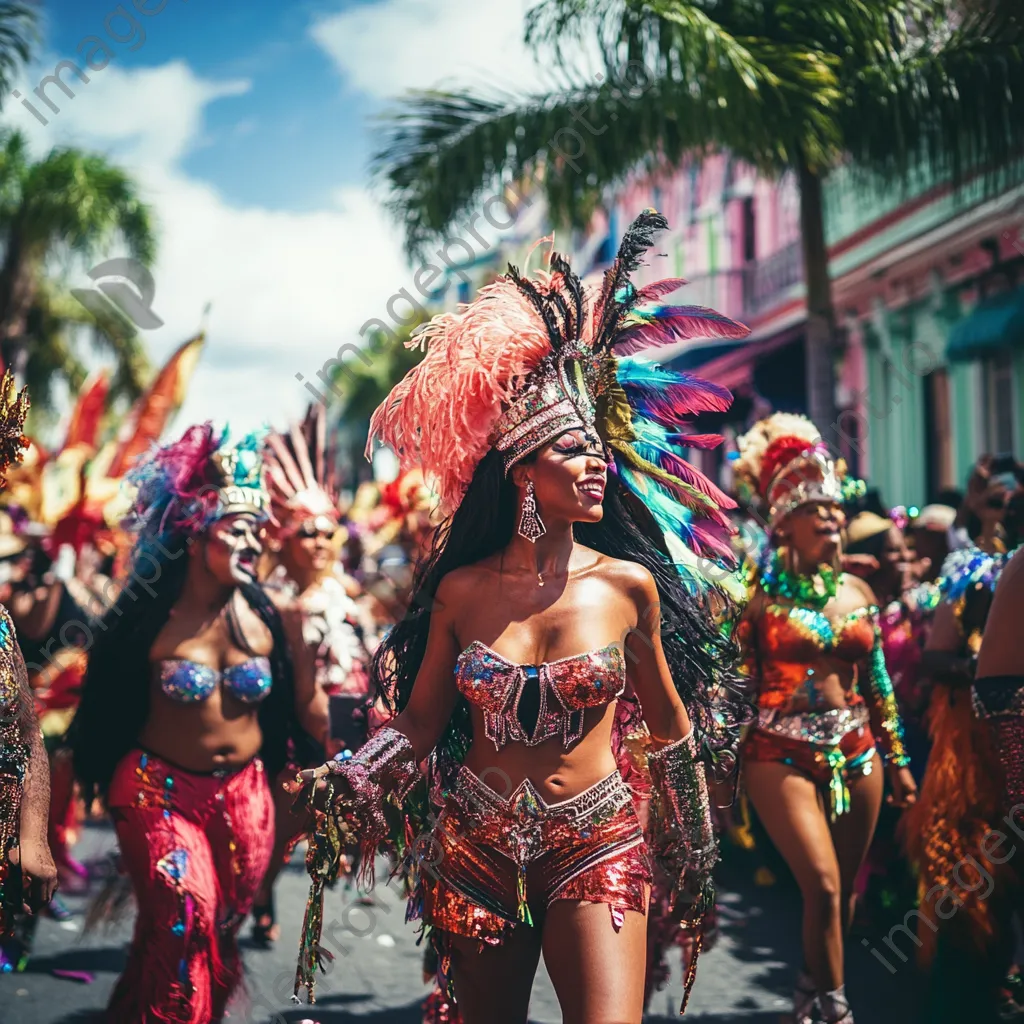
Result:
{"points": [[865, 526], [935, 517]]}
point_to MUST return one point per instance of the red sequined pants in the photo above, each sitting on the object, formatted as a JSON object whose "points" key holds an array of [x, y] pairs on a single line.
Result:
{"points": [[490, 859], [196, 848]]}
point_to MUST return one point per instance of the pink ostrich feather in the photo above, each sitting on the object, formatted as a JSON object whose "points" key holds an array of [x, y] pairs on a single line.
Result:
{"points": [[441, 415]]}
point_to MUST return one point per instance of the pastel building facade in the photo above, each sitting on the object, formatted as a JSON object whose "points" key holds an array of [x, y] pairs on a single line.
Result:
{"points": [[928, 287]]}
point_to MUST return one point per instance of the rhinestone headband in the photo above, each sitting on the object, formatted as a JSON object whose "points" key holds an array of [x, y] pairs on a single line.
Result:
{"points": [[811, 477], [557, 399]]}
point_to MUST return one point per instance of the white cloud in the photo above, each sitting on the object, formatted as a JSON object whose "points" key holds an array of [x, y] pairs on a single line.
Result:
{"points": [[287, 288], [385, 48]]}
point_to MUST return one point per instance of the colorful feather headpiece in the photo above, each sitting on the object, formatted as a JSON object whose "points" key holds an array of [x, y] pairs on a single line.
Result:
{"points": [[13, 410], [533, 357], [301, 475], [784, 462], [182, 487]]}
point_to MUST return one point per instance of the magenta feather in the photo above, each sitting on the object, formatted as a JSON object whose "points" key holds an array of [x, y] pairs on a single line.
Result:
{"points": [[659, 289], [703, 441], [663, 325], [715, 541]]}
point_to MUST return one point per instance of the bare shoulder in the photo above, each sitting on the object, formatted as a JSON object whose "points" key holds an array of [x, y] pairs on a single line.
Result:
{"points": [[282, 599], [460, 586], [630, 577], [863, 591]]}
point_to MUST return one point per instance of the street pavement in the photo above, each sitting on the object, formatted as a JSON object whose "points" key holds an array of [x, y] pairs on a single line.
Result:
{"points": [[377, 978]]}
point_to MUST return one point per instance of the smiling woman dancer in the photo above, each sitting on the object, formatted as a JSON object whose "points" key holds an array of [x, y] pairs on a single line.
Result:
{"points": [[192, 693], [811, 640], [546, 591]]}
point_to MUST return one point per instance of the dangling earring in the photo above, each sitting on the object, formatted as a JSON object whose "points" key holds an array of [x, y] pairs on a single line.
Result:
{"points": [[530, 525]]}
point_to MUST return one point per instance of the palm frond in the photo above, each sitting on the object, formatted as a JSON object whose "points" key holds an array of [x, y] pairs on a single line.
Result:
{"points": [[19, 34], [83, 201], [952, 103], [676, 83]]}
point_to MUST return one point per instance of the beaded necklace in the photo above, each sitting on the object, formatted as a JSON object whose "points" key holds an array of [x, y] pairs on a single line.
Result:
{"points": [[814, 591]]}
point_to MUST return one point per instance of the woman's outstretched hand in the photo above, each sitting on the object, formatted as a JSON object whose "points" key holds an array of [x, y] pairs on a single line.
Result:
{"points": [[310, 784], [307, 776]]}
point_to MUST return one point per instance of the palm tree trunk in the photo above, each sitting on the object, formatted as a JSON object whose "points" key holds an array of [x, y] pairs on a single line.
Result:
{"points": [[821, 316]]}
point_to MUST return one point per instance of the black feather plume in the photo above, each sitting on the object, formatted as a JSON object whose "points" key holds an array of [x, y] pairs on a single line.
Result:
{"points": [[635, 243]]}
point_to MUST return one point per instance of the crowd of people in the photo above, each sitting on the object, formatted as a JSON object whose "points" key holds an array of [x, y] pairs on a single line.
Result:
{"points": [[546, 671]]}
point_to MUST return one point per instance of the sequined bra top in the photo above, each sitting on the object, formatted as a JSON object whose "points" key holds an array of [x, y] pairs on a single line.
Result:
{"points": [[190, 681], [790, 643], [533, 703]]}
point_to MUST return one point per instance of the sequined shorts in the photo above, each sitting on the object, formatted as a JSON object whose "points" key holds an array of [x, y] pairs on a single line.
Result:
{"points": [[493, 859], [829, 747]]}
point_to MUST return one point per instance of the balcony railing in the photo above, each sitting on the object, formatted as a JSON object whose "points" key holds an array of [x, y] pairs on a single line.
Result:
{"points": [[769, 280], [746, 292]]}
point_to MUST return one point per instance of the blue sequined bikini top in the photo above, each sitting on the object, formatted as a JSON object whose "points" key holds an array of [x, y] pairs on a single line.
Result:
{"points": [[189, 681]]}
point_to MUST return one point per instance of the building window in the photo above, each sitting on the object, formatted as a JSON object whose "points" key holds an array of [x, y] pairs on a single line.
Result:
{"points": [[998, 406]]}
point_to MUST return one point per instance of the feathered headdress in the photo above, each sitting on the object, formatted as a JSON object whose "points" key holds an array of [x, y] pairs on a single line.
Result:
{"points": [[784, 462], [533, 357], [184, 486], [301, 474], [13, 410]]}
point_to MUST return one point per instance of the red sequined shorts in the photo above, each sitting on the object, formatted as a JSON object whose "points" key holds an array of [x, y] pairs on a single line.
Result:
{"points": [[491, 859], [829, 747]]}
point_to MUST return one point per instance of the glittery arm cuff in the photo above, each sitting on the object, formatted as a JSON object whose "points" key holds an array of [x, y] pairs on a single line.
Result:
{"points": [[358, 788], [384, 767], [884, 700], [683, 836]]}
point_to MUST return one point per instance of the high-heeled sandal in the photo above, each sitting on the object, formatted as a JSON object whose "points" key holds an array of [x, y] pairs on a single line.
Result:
{"points": [[805, 1001]]}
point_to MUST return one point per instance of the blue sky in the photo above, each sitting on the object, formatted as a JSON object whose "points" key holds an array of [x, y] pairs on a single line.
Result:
{"points": [[248, 126], [297, 96]]}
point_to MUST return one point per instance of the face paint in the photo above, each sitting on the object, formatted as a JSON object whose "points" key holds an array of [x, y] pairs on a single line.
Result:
{"points": [[243, 564], [240, 541]]}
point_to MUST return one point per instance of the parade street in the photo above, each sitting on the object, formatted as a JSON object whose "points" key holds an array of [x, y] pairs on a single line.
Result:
{"points": [[377, 978]]}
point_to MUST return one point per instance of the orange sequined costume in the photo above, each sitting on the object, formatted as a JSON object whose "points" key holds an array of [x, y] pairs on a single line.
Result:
{"points": [[785, 649]]}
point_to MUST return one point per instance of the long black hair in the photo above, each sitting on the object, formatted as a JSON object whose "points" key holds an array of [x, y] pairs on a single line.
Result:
{"points": [[115, 694], [700, 654]]}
